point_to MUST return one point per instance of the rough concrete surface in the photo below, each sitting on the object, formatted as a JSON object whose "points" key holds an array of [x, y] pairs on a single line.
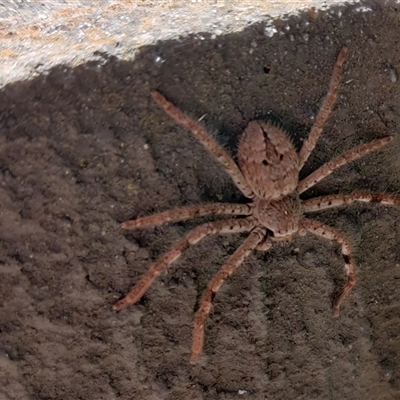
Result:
{"points": [[35, 36], [83, 147]]}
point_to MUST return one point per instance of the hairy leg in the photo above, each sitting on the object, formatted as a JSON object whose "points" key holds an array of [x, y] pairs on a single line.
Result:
{"points": [[336, 200], [337, 162], [255, 237], [330, 233], [206, 140], [265, 245], [324, 111], [181, 214], [191, 238]]}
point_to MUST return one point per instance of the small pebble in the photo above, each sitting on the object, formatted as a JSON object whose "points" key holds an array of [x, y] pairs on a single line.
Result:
{"points": [[392, 75]]}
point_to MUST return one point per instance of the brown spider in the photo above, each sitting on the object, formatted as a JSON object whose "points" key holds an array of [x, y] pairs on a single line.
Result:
{"points": [[268, 174]]}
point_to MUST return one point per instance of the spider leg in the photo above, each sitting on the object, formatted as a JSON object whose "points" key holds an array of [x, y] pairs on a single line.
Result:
{"points": [[193, 237], [265, 245], [330, 233], [336, 200], [337, 162], [324, 111], [183, 213], [206, 140], [255, 237]]}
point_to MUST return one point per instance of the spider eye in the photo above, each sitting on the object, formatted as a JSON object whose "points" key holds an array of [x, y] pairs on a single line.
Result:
{"points": [[265, 162]]}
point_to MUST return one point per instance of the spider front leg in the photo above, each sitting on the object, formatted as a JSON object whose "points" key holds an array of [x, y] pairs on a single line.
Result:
{"points": [[191, 238], [255, 238], [265, 245], [330, 233]]}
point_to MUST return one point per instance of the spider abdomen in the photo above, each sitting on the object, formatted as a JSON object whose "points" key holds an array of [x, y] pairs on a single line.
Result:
{"points": [[268, 160]]}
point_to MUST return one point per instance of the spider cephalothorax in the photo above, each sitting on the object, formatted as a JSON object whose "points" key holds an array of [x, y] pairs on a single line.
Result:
{"points": [[281, 216], [268, 175]]}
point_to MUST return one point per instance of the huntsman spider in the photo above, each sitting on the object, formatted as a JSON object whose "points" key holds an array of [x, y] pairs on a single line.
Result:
{"points": [[267, 175]]}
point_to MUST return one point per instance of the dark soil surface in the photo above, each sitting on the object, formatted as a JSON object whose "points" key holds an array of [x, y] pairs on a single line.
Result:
{"points": [[84, 149]]}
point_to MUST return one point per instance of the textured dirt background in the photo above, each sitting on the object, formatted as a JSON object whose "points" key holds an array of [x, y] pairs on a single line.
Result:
{"points": [[84, 148]]}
